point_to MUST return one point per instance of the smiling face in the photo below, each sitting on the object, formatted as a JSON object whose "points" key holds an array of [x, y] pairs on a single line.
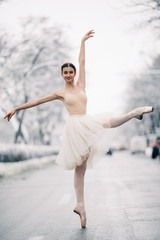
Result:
{"points": [[68, 74]]}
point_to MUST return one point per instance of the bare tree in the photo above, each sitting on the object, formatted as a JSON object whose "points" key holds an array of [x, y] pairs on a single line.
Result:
{"points": [[148, 13], [144, 90], [2, 1], [31, 69]]}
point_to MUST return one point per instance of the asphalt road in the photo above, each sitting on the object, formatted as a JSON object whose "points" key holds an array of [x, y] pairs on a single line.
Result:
{"points": [[122, 194]]}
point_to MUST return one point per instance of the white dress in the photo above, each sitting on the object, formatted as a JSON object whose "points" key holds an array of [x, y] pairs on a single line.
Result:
{"points": [[81, 133]]}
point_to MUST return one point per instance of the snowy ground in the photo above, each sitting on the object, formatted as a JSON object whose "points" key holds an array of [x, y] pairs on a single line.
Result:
{"points": [[10, 169], [20, 152]]}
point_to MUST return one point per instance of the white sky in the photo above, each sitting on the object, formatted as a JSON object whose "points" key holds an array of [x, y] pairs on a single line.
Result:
{"points": [[116, 47]]}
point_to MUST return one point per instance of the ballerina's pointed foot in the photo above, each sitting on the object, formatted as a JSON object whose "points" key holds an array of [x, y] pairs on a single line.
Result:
{"points": [[80, 210], [138, 112]]}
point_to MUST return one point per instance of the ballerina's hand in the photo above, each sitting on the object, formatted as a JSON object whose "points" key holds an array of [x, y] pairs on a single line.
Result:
{"points": [[88, 35], [10, 114]]}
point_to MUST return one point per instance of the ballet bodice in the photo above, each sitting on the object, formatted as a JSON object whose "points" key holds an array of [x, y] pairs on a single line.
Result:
{"points": [[75, 103]]}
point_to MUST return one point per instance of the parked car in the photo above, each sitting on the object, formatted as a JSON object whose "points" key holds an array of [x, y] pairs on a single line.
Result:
{"points": [[118, 145], [137, 144]]}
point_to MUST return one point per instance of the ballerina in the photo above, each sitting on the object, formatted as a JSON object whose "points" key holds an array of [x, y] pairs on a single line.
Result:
{"points": [[82, 131]]}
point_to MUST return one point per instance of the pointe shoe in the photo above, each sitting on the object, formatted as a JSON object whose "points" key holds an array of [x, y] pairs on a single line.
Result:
{"points": [[82, 214], [138, 112]]}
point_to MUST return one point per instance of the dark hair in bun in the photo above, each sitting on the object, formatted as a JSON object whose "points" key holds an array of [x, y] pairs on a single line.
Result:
{"points": [[68, 65]]}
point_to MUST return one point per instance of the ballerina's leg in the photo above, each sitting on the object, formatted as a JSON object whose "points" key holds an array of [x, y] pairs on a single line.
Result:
{"points": [[136, 113], [79, 189], [79, 181], [117, 121]]}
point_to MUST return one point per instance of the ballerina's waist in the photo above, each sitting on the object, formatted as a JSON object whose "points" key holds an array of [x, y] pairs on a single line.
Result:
{"points": [[77, 114]]}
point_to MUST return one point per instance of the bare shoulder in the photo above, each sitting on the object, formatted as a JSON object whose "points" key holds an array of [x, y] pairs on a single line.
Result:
{"points": [[60, 93]]}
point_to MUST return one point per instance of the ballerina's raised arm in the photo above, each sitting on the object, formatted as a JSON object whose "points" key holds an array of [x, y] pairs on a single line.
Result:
{"points": [[81, 79]]}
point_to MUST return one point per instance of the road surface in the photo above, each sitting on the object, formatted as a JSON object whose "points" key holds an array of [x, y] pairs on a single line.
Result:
{"points": [[122, 194]]}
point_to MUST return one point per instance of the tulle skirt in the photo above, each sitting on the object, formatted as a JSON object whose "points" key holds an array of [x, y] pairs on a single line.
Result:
{"points": [[81, 133]]}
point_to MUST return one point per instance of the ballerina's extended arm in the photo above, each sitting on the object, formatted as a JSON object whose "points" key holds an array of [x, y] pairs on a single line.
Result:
{"points": [[81, 79], [32, 103]]}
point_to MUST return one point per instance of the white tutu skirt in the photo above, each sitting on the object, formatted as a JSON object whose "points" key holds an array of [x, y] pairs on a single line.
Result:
{"points": [[81, 133]]}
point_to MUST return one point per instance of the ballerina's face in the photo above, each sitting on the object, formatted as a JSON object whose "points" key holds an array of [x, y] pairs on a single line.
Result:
{"points": [[68, 74]]}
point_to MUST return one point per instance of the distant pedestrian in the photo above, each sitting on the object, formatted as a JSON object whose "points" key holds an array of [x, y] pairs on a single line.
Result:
{"points": [[155, 150], [82, 131]]}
